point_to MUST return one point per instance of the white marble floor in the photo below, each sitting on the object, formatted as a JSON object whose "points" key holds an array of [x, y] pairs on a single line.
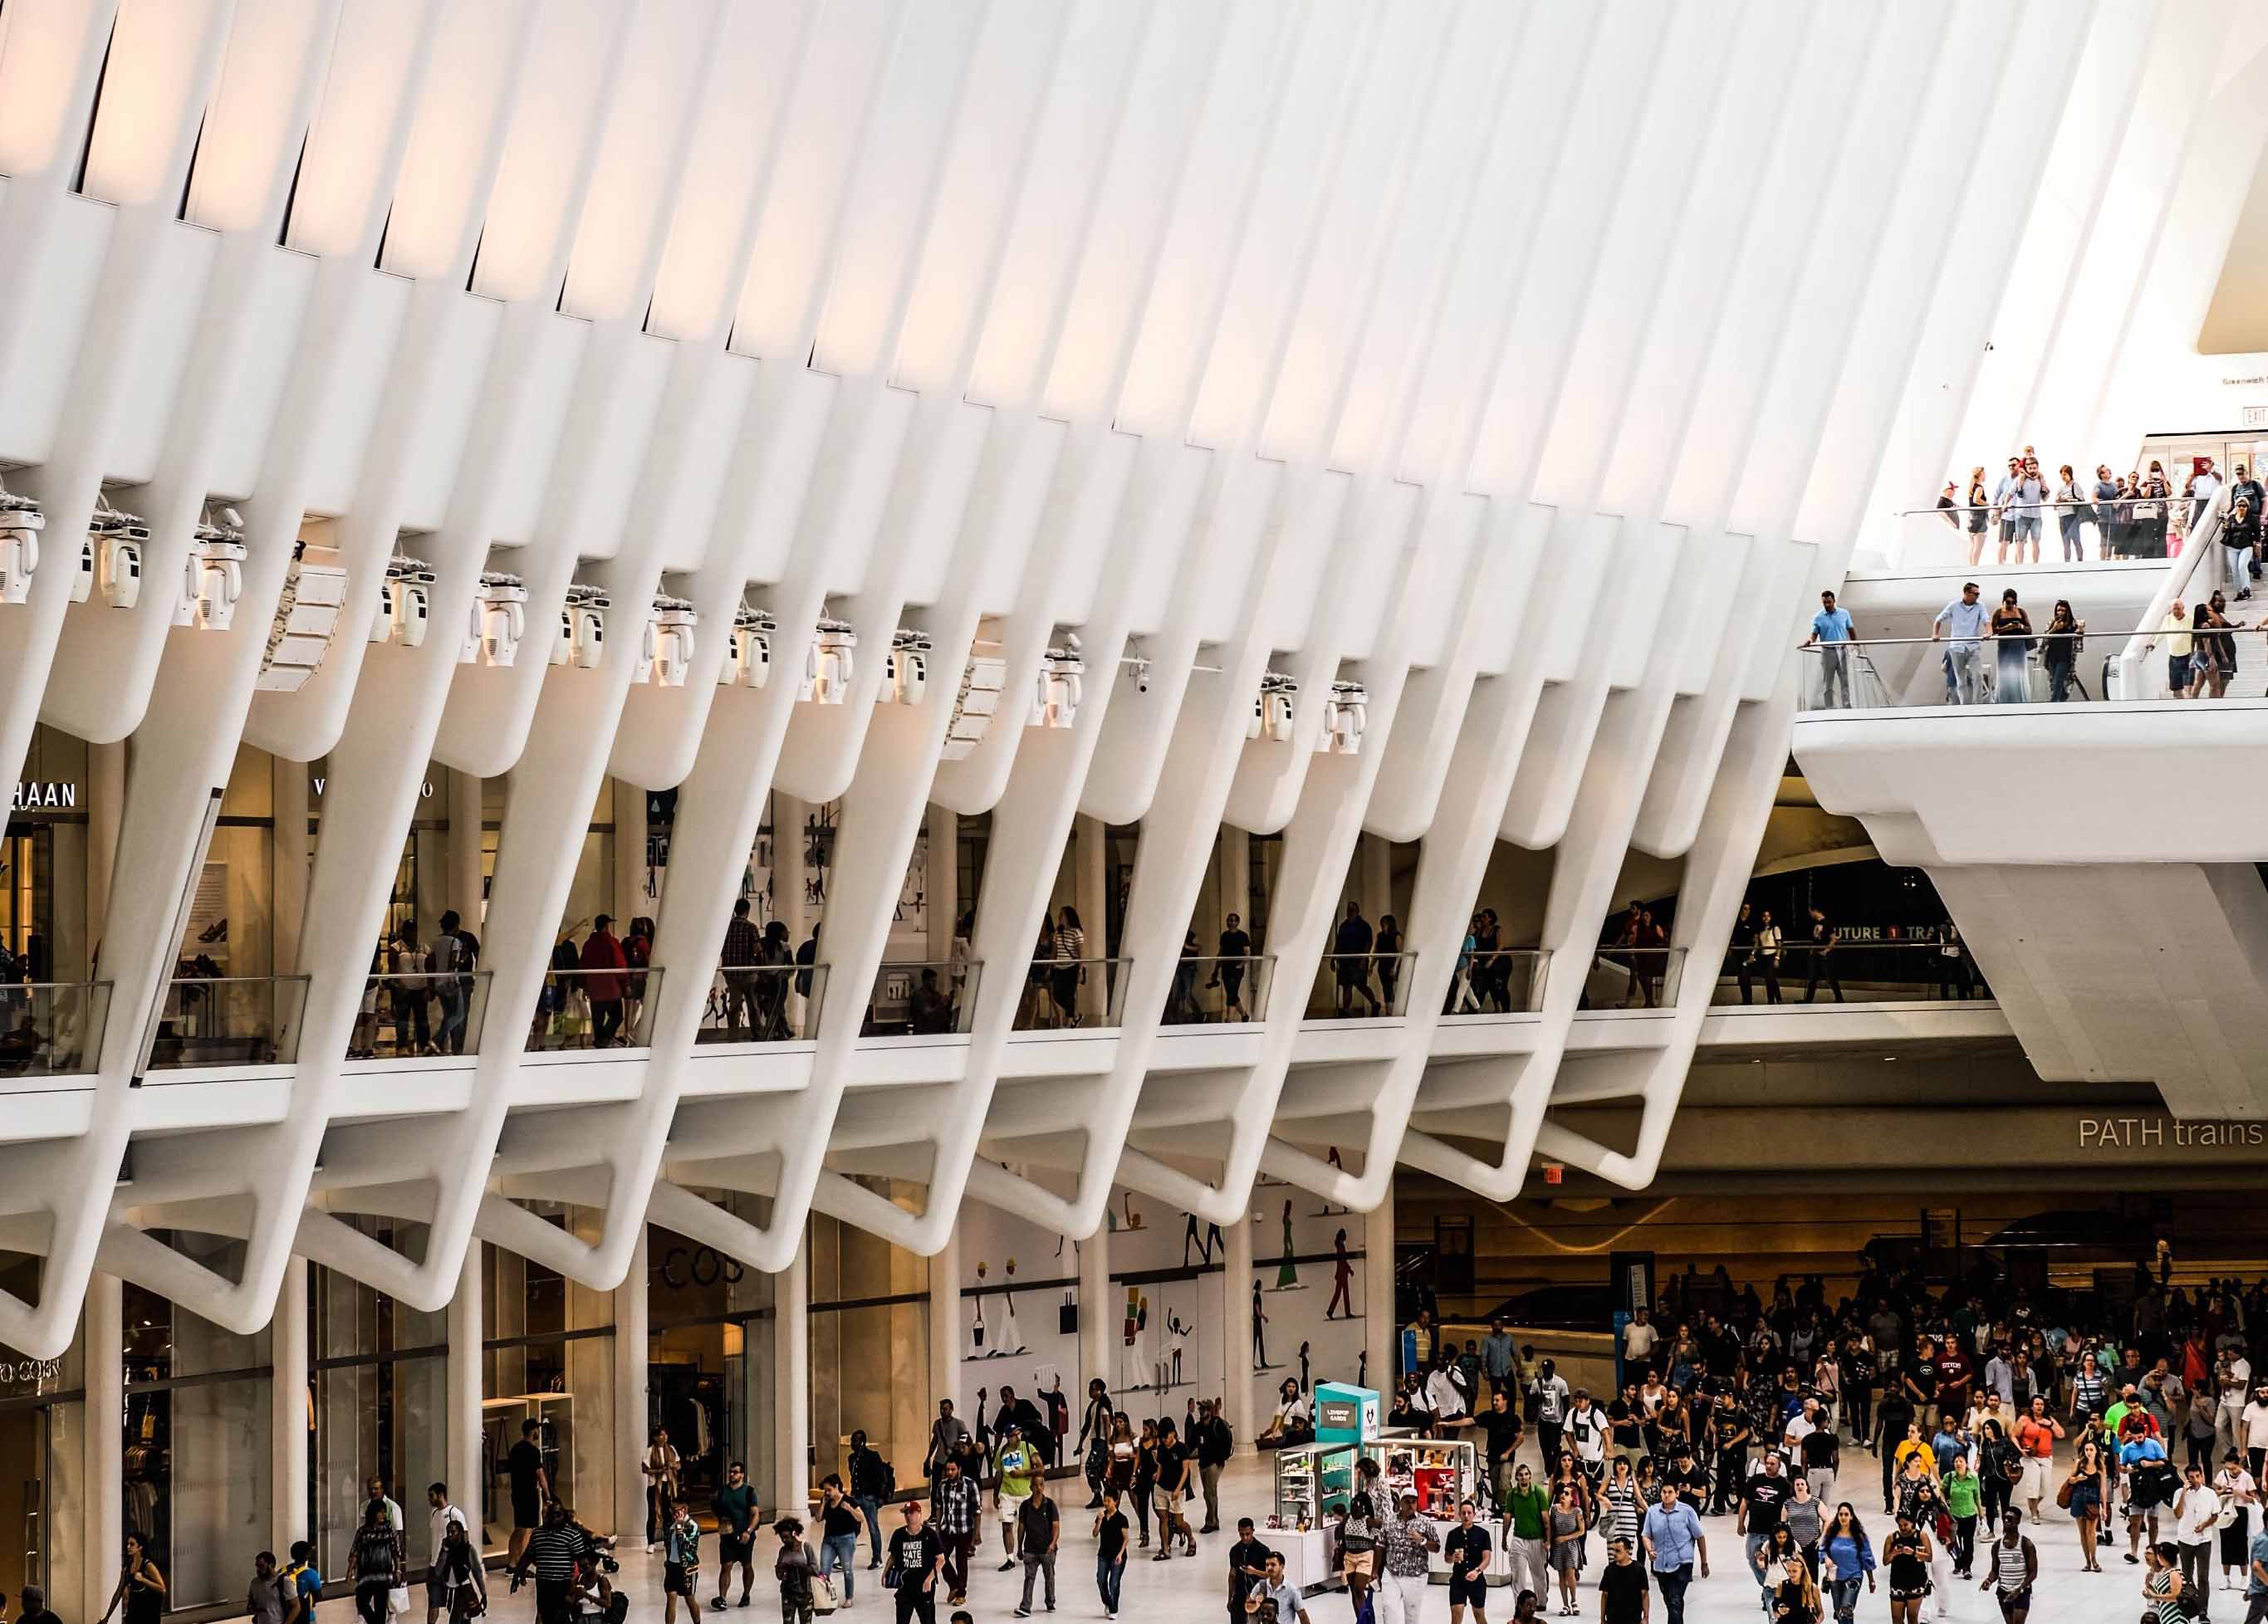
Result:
{"points": [[1186, 1589]]}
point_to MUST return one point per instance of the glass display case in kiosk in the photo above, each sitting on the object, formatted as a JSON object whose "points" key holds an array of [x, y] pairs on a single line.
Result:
{"points": [[1440, 1471], [1314, 1482]]}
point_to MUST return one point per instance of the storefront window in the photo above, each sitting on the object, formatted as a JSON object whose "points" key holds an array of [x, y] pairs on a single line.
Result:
{"points": [[197, 1455], [379, 1374], [869, 1348], [42, 1411], [549, 1358], [709, 1376]]}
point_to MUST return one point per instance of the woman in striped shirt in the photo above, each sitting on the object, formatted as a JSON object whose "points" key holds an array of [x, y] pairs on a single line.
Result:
{"points": [[2163, 1590]]}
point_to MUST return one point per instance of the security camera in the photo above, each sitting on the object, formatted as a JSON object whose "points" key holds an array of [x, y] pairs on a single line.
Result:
{"points": [[1141, 676]]}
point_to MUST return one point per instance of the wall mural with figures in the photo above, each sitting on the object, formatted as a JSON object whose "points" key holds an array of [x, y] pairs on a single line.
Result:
{"points": [[1020, 1309]]}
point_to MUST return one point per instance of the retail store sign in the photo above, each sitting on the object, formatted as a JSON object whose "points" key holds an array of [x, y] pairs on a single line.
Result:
{"points": [[317, 780], [40, 794], [2153, 1133], [23, 1376]]}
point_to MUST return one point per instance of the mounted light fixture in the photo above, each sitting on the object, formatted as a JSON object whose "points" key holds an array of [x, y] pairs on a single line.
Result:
{"points": [[1062, 684], [1345, 714], [112, 558], [213, 577], [499, 621], [906, 671], [306, 617], [826, 668], [749, 661], [20, 524], [405, 602], [1273, 708], [665, 646], [582, 627]]}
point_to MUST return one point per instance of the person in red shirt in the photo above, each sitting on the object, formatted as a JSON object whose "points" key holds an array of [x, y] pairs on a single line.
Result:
{"points": [[602, 952]]}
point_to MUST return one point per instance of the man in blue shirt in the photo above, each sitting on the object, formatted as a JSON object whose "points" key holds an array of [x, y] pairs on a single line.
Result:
{"points": [[1964, 620], [2256, 1575], [1832, 628], [1674, 1542]]}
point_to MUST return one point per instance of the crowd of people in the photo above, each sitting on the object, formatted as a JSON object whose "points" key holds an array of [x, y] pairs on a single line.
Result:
{"points": [[1973, 1407], [2138, 514]]}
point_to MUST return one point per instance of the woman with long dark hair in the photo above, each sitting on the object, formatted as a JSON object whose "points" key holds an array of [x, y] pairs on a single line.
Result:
{"points": [[2060, 651], [141, 1586], [374, 1563], [1070, 948], [1850, 1561]]}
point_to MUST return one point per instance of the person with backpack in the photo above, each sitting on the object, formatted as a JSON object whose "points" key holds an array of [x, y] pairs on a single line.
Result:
{"points": [[375, 1564], [448, 990], [458, 1575], [874, 1481]]}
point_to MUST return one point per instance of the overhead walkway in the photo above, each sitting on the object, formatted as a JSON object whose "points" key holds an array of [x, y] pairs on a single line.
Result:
{"points": [[2098, 857]]}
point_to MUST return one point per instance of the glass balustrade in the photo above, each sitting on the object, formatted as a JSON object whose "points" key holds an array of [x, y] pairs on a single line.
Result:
{"points": [[1361, 986], [52, 1029], [227, 1020], [1507, 981], [1928, 966], [763, 1003], [921, 999], [2175, 664], [1632, 978], [594, 1009], [424, 1012], [1217, 990], [1059, 994]]}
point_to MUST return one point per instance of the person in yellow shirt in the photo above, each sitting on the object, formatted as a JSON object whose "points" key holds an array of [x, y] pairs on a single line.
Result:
{"points": [[1916, 1445]]}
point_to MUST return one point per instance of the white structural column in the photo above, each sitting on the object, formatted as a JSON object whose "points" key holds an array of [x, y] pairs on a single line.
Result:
{"points": [[287, 1411], [630, 1386], [102, 1540], [468, 1330], [1236, 1328], [290, 780], [1378, 1291], [1095, 1319], [945, 1325], [464, 848], [791, 1378], [105, 797]]}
